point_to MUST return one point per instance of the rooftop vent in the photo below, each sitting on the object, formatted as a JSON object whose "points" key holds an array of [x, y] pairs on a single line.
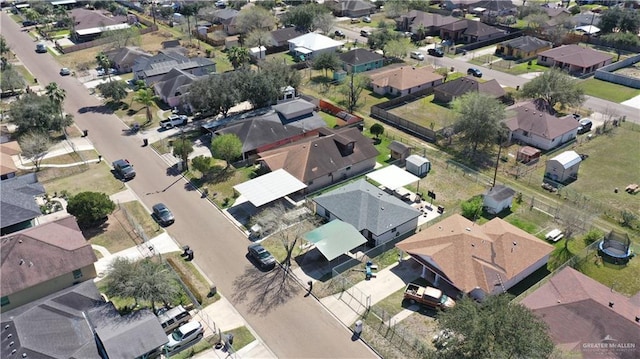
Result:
{"points": [[468, 229], [637, 319], [610, 304], [21, 261]]}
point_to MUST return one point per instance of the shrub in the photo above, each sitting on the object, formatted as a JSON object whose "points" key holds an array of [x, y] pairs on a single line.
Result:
{"points": [[592, 236], [472, 208], [90, 207]]}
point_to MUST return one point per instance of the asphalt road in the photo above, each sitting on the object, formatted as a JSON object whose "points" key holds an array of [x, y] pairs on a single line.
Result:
{"points": [[293, 326]]}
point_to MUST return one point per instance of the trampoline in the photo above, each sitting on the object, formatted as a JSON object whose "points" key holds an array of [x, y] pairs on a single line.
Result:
{"points": [[616, 247]]}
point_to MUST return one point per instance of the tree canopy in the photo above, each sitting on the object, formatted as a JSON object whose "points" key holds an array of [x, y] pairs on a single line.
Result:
{"points": [[146, 98], [327, 61], [379, 38], [304, 16], [182, 148], [398, 48], [616, 19], [35, 145], [255, 18], [238, 56], [479, 118], [90, 207], [497, 328], [620, 40], [37, 113], [214, 94], [351, 88], [227, 147], [10, 79], [114, 90], [554, 88]]}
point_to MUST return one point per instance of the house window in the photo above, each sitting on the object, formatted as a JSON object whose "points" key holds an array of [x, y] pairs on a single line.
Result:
{"points": [[4, 301], [525, 133], [77, 274]]}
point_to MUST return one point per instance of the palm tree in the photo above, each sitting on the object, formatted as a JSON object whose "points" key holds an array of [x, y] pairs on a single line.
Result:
{"points": [[57, 95], [103, 61], [146, 98], [238, 56]]}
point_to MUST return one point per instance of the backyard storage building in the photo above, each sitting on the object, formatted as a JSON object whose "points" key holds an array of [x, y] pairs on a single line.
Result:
{"points": [[563, 167], [418, 165]]}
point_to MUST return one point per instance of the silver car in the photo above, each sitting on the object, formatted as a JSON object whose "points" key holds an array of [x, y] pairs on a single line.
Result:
{"points": [[162, 214], [183, 336]]}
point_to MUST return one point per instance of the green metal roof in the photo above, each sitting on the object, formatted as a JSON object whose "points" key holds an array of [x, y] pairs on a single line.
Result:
{"points": [[335, 238]]}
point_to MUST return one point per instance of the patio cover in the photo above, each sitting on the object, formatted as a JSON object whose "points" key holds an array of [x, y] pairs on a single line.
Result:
{"points": [[302, 50], [392, 177], [269, 187], [335, 238]]}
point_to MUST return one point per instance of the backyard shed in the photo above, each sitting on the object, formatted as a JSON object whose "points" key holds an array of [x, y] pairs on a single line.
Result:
{"points": [[399, 150], [528, 154], [418, 165], [563, 167], [498, 198]]}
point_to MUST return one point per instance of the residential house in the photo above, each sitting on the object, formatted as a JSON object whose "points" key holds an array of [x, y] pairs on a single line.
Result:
{"points": [[360, 60], [18, 206], [488, 259], [401, 81], [280, 37], [172, 86], [497, 199], [333, 156], [585, 318], [42, 260], [423, 23], [283, 123], [457, 4], [124, 58], [563, 167], [575, 59], [451, 90], [154, 68], [586, 19], [227, 18], [492, 8], [351, 8], [8, 168], [399, 151], [313, 44], [90, 24], [558, 16], [379, 216], [76, 322], [524, 47], [538, 128], [469, 31]]}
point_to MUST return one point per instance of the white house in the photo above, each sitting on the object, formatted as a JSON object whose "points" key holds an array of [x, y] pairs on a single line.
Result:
{"points": [[540, 129], [497, 199], [563, 167], [312, 44]]}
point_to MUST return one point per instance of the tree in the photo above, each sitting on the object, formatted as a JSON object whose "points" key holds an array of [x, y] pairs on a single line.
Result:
{"points": [[536, 21], [56, 95], [554, 88], [189, 10], [258, 37], [376, 129], [118, 39], [255, 18], [479, 118], [327, 61], [4, 47], [90, 207], [352, 89], [103, 61], [621, 40], [616, 19], [146, 98], [114, 90], [144, 280], [398, 48], [32, 15], [394, 8], [281, 74], [226, 147], [472, 209], [238, 56], [304, 16], [324, 22], [182, 148], [497, 328], [258, 88], [381, 36], [37, 113], [214, 94], [35, 145], [10, 79], [203, 165]]}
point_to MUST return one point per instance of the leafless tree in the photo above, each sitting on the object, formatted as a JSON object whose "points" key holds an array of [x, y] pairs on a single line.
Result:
{"points": [[35, 146]]}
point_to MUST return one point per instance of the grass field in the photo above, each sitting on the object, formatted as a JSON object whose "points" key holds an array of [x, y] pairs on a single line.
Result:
{"points": [[95, 177], [607, 90], [426, 113]]}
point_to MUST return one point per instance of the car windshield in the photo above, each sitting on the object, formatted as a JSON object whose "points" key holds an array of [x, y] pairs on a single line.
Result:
{"points": [[164, 212], [443, 299], [177, 335], [263, 254]]}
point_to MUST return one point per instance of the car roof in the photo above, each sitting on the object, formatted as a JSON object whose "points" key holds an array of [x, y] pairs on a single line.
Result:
{"points": [[257, 246], [189, 326], [159, 206]]}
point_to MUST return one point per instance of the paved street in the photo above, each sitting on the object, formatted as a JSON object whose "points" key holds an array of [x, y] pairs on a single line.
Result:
{"points": [[290, 324]]}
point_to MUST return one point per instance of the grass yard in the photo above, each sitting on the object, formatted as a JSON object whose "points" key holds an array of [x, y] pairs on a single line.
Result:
{"points": [[96, 177], [607, 90], [115, 235], [241, 337], [143, 217], [221, 190], [26, 75], [621, 278], [512, 68], [426, 113], [391, 305]]}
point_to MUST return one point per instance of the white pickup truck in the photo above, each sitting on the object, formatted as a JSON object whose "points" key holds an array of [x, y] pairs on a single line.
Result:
{"points": [[174, 121]]}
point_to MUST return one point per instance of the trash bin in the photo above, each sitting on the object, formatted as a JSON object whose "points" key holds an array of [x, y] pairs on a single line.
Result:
{"points": [[85, 133], [145, 142], [358, 327], [212, 291]]}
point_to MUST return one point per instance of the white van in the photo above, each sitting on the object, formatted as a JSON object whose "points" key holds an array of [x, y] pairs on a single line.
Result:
{"points": [[173, 318]]}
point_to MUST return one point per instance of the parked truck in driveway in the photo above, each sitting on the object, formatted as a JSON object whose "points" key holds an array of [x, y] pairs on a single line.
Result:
{"points": [[174, 121], [429, 296]]}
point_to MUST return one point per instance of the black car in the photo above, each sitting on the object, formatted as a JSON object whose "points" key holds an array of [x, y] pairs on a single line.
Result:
{"points": [[261, 255], [474, 72], [162, 214], [124, 169], [435, 52], [339, 33]]}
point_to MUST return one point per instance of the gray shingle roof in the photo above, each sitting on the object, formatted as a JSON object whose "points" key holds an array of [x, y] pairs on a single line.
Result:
{"points": [[527, 43], [360, 56], [17, 199], [172, 81], [500, 192], [462, 85], [289, 108], [365, 206]]}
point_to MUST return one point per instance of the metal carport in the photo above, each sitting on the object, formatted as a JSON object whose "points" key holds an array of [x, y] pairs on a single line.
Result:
{"points": [[269, 187], [335, 238]]}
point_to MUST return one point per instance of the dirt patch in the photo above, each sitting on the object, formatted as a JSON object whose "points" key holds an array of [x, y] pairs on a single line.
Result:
{"points": [[631, 71]]}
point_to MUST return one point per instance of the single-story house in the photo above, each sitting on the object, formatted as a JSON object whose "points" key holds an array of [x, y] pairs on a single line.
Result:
{"points": [[280, 37], [399, 151], [18, 206], [90, 24], [524, 47], [76, 322], [492, 8], [469, 31], [333, 156], [451, 90], [8, 168], [360, 60], [457, 4], [379, 216], [312, 44], [586, 18], [497, 199], [172, 86], [563, 167], [154, 68], [538, 128], [42, 260], [575, 59], [351, 8], [404, 80], [124, 58], [488, 258], [585, 318], [417, 21], [227, 18]]}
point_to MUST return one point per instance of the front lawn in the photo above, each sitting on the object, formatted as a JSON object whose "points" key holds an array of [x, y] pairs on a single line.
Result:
{"points": [[95, 177], [608, 90], [220, 186]]}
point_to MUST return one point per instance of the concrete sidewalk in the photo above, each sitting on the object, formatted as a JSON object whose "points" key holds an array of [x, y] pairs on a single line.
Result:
{"points": [[59, 149]]}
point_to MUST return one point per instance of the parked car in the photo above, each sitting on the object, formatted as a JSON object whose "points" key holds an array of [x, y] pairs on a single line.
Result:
{"points": [[184, 335], [172, 318], [174, 121], [428, 296], [355, 20], [366, 19], [416, 55], [101, 71], [65, 71], [162, 214], [585, 125], [365, 33], [435, 52], [29, 23], [339, 33], [474, 72], [261, 255], [41, 48], [124, 169]]}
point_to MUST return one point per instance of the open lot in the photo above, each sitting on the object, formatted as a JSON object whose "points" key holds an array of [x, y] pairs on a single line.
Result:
{"points": [[608, 90], [426, 113]]}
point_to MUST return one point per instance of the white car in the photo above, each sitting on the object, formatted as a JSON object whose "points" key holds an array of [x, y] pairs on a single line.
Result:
{"points": [[184, 335], [417, 55]]}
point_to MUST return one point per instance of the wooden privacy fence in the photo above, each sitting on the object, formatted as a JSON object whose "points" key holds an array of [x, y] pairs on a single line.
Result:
{"points": [[381, 112]]}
